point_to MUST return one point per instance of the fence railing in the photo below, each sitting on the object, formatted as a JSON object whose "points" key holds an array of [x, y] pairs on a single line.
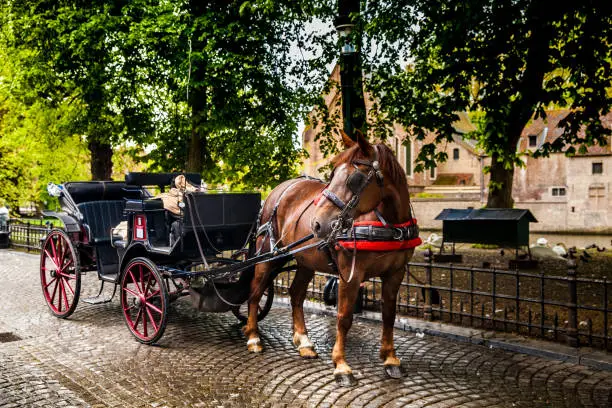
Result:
{"points": [[26, 234], [568, 308]]}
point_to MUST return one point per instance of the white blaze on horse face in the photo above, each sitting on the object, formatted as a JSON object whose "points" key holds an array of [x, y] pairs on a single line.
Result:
{"points": [[326, 211], [338, 183]]}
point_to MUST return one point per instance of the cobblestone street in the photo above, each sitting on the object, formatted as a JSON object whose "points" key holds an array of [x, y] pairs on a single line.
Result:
{"points": [[91, 359]]}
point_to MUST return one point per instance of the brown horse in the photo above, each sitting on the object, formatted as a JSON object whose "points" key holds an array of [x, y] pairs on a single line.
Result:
{"points": [[299, 207]]}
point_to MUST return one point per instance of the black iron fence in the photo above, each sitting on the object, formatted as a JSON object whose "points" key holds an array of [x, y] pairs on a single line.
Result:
{"points": [[27, 234], [568, 308]]}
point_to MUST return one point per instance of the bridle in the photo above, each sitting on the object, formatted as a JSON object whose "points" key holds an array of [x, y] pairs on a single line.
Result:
{"points": [[356, 182]]}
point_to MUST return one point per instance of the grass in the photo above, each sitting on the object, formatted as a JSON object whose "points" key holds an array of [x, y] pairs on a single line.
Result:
{"points": [[485, 246]]}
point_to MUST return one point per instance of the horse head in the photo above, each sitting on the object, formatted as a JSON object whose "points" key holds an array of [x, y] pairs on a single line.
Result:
{"points": [[358, 184]]}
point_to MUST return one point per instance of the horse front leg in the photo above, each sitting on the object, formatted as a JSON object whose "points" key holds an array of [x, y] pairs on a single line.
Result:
{"points": [[298, 290], [258, 286], [390, 286], [347, 295]]}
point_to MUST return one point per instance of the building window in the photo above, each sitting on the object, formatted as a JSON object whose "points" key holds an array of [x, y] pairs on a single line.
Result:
{"points": [[597, 191], [432, 173], [558, 191], [598, 168], [455, 154], [533, 140], [408, 156]]}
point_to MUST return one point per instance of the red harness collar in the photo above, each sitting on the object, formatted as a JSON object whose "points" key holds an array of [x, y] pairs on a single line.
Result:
{"points": [[405, 240]]}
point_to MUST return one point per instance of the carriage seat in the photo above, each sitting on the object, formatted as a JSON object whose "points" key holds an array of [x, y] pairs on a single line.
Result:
{"points": [[102, 216], [150, 204]]}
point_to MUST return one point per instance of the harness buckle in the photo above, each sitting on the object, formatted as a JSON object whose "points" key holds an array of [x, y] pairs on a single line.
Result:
{"points": [[399, 234]]}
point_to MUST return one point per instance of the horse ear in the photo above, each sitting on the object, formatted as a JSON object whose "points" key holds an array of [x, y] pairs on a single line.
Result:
{"points": [[364, 145], [348, 142]]}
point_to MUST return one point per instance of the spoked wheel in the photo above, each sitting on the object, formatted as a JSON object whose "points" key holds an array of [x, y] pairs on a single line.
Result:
{"points": [[264, 306], [144, 300], [60, 276]]}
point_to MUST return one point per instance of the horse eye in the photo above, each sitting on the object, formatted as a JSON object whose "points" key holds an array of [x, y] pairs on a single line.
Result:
{"points": [[355, 182]]}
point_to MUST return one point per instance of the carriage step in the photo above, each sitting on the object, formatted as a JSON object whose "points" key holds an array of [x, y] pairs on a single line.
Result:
{"points": [[111, 277], [96, 300]]}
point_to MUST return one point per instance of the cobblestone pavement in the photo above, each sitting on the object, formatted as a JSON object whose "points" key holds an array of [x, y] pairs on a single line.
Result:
{"points": [[92, 360]]}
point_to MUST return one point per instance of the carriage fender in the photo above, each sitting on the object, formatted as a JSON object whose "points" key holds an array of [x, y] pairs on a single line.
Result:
{"points": [[135, 250], [70, 223]]}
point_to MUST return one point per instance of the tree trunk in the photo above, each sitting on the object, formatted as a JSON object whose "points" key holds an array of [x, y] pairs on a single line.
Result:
{"points": [[194, 152], [523, 107], [101, 160], [500, 185]]}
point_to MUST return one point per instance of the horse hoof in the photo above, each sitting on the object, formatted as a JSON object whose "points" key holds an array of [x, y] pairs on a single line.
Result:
{"points": [[308, 353], [346, 380], [255, 348], [393, 371], [254, 345]]}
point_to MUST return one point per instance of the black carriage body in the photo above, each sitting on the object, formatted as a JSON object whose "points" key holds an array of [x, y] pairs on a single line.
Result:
{"points": [[153, 255], [215, 222]]}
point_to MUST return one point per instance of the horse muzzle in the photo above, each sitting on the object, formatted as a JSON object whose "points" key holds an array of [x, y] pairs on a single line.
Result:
{"points": [[320, 228]]}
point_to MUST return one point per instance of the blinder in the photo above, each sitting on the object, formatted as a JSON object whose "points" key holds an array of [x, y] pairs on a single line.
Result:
{"points": [[356, 181]]}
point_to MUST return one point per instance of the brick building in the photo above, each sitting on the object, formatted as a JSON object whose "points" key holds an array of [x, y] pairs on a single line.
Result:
{"points": [[580, 184], [459, 176], [564, 193]]}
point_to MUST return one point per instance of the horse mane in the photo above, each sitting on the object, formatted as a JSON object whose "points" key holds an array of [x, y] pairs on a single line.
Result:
{"points": [[386, 158]]}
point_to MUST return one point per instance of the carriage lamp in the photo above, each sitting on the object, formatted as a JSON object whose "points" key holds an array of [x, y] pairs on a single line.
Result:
{"points": [[140, 227]]}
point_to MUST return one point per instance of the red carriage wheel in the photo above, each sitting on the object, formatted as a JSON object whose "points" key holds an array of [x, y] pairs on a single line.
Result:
{"points": [[264, 306], [60, 276], [144, 300]]}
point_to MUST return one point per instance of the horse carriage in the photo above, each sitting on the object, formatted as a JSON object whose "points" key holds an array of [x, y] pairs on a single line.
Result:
{"points": [[155, 256], [224, 251]]}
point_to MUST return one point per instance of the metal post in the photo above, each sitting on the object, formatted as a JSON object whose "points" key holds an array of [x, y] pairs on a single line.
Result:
{"points": [[572, 313], [427, 310], [482, 178], [353, 104], [28, 236]]}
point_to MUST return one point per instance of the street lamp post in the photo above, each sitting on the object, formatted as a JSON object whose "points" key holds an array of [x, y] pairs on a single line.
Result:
{"points": [[353, 104]]}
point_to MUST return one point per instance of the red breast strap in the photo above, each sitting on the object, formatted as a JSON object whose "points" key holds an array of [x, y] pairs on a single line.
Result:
{"points": [[380, 245]]}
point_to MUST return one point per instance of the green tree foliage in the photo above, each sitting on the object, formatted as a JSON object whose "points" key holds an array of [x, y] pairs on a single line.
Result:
{"points": [[36, 144], [207, 86], [232, 80], [508, 59], [79, 51]]}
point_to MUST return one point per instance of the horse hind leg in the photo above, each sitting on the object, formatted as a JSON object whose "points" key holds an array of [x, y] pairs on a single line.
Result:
{"points": [[390, 286], [297, 291], [258, 286]]}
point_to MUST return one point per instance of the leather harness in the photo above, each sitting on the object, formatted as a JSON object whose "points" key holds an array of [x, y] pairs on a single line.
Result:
{"points": [[367, 235]]}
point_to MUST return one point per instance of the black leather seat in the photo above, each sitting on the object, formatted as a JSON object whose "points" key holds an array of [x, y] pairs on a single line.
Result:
{"points": [[144, 205], [102, 216]]}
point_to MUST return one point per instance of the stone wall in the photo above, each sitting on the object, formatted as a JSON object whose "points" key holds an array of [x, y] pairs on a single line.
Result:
{"points": [[551, 216]]}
